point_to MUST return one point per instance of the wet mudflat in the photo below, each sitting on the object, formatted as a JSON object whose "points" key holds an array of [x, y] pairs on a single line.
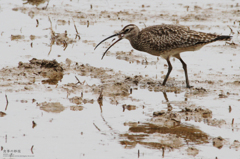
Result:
{"points": [[58, 99]]}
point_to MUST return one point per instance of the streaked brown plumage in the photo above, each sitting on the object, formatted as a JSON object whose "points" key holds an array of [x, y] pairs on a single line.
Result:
{"points": [[166, 41]]}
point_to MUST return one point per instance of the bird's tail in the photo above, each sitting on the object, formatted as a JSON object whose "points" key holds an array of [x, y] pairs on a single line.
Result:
{"points": [[223, 37]]}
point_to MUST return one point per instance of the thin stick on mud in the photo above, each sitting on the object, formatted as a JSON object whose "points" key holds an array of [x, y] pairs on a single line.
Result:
{"points": [[230, 43], [50, 50], [96, 126], [52, 32], [163, 151], [100, 99], [230, 108], [32, 149], [44, 8], [52, 36], [78, 81], [6, 102], [77, 33], [34, 124], [87, 23], [37, 23], [232, 32], [65, 44]]}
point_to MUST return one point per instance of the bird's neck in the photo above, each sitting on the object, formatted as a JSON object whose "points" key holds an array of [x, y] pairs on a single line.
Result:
{"points": [[134, 40]]}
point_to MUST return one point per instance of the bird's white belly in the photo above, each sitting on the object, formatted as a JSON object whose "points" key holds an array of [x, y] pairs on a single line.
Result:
{"points": [[168, 53]]}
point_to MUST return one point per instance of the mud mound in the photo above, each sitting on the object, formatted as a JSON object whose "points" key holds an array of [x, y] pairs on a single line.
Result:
{"points": [[53, 107], [42, 64]]}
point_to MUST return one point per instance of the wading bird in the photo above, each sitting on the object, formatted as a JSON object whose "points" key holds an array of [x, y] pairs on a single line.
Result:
{"points": [[166, 40]]}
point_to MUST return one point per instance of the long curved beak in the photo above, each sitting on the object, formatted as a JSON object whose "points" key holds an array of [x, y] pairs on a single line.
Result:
{"points": [[110, 45]]}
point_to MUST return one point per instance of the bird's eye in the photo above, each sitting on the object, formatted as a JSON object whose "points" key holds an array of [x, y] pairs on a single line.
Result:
{"points": [[127, 30]]}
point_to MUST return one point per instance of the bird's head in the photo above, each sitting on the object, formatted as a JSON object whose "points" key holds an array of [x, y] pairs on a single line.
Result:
{"points": [[126, 33]]}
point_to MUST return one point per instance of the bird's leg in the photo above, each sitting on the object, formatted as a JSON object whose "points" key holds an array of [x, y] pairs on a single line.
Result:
{"points": [[169, 71], [185, 69]]}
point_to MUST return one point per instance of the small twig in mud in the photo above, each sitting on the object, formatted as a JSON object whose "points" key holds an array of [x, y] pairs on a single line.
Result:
{"points": [[232, 121], [32, 149], [90, 6], [33, 124], [31, 44], [68, 93], [6, 102], [124, 107], [37, 22], [77, 33], [44, 8], [52, 32], [52, 36], [229, 108], [138, 153], [78, 81], [130, 90], [163, 151], [87, 23], [65, 44], [50, 50], [231, 43], [34, 79], [100, 98], [96, 126], [232, 32]]}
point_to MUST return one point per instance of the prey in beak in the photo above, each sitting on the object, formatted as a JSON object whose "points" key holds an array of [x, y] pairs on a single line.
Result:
{"points": [[120, 37]]}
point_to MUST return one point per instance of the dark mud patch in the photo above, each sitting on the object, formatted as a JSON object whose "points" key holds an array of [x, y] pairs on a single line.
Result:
{"points": [[51, 107], [34, 2], [188, 113], [50, 69], [36, 63], [129, 107], [76, 108], [17, 37], [154, 136], [80, 100]]}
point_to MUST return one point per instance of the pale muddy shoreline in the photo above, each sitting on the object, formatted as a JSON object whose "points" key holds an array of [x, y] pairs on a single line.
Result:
{"points": [[60, 100]]}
